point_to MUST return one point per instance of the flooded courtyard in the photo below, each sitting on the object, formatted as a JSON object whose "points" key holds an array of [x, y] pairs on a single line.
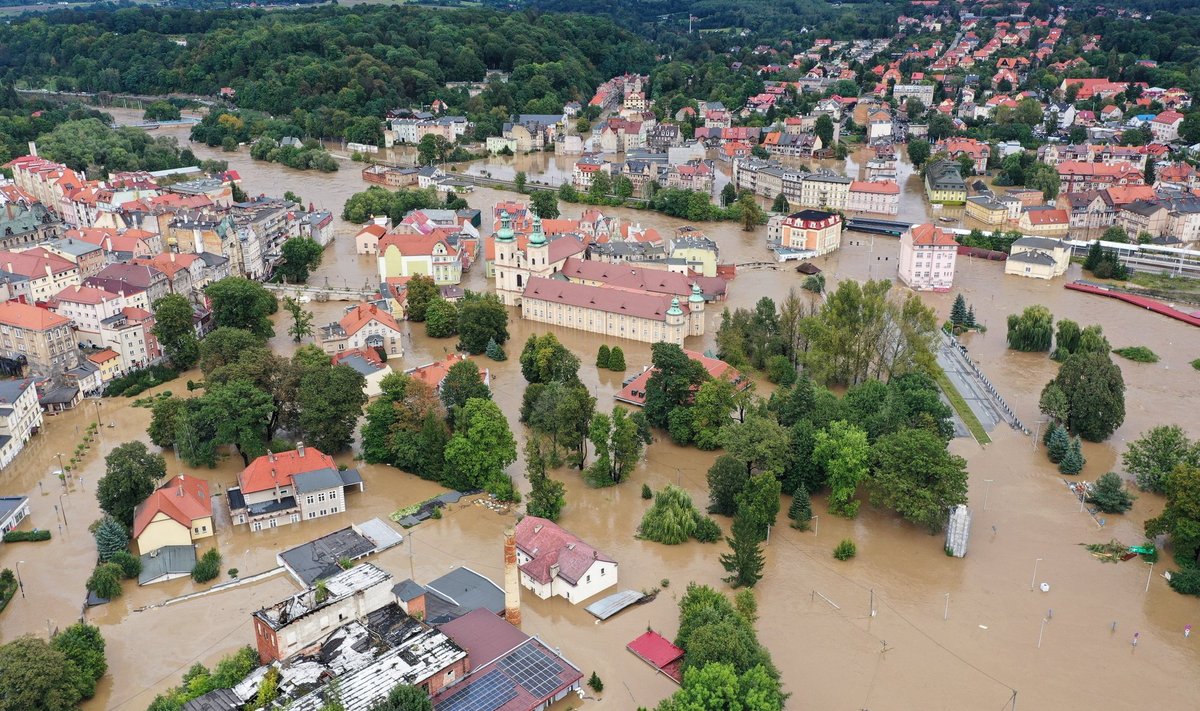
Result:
{"points": [[946, 633]]}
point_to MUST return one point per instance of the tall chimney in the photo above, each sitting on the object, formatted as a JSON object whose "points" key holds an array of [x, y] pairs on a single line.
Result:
{"points": [[300, 448], [512, 585]]}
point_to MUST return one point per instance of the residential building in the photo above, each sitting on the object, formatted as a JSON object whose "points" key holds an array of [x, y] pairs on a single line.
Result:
{"points": [[178, 513], [927, 257], [108, 362], [363, 326], [987, 210], [696, 175], [47, 273], [140, 284], [286, 487], [26, 223], [811, 231], [1079, 176], [86, 306], [977, 151], [944, 183], [37, 337], [921, 92], [367, 239], [1045, 221], [1038, 258], [130, 334], [90, 258], [367, 363], [13, 509], [880, 196], [634, 391], [20, 417], [433, 255], [1165, 127], [553, 561], [698, 252]]}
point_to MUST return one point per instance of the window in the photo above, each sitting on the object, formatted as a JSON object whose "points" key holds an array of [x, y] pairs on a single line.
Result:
{"points": [[274, 523], [312, 514], [309, 499], [333, 509], [321, 496], [589, 578], [602, 572]]}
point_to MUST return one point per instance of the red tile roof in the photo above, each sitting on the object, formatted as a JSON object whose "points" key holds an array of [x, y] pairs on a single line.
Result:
{"points": [[610, 299], [13, 313], [418, 245], [184, 498], [878, 187], [34, 263], [655, 650], [363, 314], [269, 469], [928, 235], [634, 392], [547, 544], [85, 295], [1048, 217]]}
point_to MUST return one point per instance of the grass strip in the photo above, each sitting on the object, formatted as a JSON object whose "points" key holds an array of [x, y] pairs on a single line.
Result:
{"points": [[960, 405]]}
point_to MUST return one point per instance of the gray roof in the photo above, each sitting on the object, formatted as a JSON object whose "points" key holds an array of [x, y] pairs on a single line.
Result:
{"points": [[460, 591], [407, 590], [60, 396], [218, 700], [8, 504], [350, 477], [75, 247], [1038, 243], [10, 390], [319, 558], [317, 480], [167, 562], [361, 364], [1034, 257]]}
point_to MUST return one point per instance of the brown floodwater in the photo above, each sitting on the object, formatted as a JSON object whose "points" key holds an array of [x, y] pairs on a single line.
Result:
{"points": [[906, 656]]}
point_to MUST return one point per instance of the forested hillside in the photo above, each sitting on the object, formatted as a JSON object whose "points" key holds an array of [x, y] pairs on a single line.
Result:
{"points": [[360, 61]]}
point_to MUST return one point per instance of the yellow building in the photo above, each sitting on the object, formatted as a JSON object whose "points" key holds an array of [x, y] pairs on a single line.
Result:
{"points": [[944, 183], [987, 211], [696, 250], [813, 231], [109, 363], [177, 514], [619, 313]]}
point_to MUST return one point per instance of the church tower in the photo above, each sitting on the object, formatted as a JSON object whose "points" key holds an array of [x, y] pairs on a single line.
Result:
{"points": [[509, 282], [696, 311], [676, 325], [538, 252]]}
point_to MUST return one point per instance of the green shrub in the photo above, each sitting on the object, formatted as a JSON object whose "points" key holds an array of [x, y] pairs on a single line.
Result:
{"points": [[130, 564], [781, 371], [1110, 495], [602, 356], [208, 567], [646, 492], [504, 490], [1186, 581], [845, 550], [672, 519], [19, 536], [1196, 364], [139, 381], [105, 581], [8, 587], [707, 530], [595, 683], [232, 572], [1138, 354], [616, 359]]}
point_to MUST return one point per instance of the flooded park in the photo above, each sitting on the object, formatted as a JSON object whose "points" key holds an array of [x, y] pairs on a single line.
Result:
{"points": [[901, 626]]}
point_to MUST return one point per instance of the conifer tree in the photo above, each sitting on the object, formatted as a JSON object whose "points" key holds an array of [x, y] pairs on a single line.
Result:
{"points": [[1073, 461], [958, 312], [744, 562], [616, 359], [495, 351], [110, 538], [971, 317], [1059, 445], [1049, 433], [800, 512], [603, 356]]}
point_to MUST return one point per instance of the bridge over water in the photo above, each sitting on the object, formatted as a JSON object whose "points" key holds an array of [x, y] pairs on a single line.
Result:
{"points": [[318, 293]]}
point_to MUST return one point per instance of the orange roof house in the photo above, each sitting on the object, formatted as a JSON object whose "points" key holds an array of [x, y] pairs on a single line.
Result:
{"points": [[176, 514], [634, 391]]}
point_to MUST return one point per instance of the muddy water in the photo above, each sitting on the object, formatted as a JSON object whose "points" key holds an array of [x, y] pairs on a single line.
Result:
{"points": [[906, 656]]}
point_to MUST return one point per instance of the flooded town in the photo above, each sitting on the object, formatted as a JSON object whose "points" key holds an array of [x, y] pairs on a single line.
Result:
{"points": [[1016, 605]]}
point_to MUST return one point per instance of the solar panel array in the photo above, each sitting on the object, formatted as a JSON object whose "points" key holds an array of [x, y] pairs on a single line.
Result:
{"points": [[533, 669], [490, 691]]}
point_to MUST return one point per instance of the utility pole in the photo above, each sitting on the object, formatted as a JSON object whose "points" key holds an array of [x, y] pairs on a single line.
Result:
{"points": [[411, 574]]}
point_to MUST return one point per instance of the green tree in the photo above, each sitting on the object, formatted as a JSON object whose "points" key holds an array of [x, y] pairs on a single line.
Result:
{"points": [[463, 382], [433, 149], [225, 346], [83, 646], [131, 475], [729, 194], [824, 130], [111, 538], [1095, 391], [34, 676], [801, 471], [420, 292], [1073, 461], [672, 519], [544, 204], [727, 478], [711, 410], [780, 205], [130, 564], [800, 512], [616, 359], [1156, 453], [745, 559], [404, 697], [562, 411], [623, 187], [958, 312], [175, 331], [1059, 445], [301, 319], [241, 303], [481, 318], [300, 256], [241, 413], [750, 215], [842, 451], [547, 497], [718, 687], [671, 382], [164, 420], [441, 318], [914, 475], [1045, 178], [758, 503], [105, 581], [918, 152], [161, 111], [481, 448], [759, 442], [602, 356], [519, 181], [1109, 494], [545, 359], [1032, 331], [330, 400], [1180, 518], [601, 186], [619, 445]]}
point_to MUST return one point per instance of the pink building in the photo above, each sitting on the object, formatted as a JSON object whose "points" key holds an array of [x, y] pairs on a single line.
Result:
{"points": [[927, 256]]}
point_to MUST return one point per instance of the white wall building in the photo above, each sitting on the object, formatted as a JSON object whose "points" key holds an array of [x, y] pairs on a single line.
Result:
{"points": [[553, 562]]}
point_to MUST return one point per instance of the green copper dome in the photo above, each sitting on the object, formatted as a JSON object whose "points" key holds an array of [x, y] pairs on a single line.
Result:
{"points": [[537, 238], [697, 296], [675, 310], [505, 234]]}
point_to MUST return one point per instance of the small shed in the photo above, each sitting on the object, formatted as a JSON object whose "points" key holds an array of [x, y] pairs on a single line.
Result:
{"points": [[655, 650]]}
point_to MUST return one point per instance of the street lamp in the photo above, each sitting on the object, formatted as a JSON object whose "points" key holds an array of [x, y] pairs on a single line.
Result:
{"points": [[1033, 580], [64, 511], [20, 583], [98, 424], [815, 522], [986, 490], [1149, 575]]}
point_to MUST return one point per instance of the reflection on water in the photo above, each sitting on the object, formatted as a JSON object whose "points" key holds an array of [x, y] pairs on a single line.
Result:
{"points": [[906, 657]]}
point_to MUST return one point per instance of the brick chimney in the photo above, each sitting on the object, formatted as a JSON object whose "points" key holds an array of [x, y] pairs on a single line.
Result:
{"points": [[300, 449], [512, 585]]}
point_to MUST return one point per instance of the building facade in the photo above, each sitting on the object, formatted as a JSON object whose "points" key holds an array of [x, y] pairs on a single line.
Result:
{"points": [[927, 258]]}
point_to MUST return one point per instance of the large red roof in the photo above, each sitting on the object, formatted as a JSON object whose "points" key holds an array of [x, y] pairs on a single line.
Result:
{"points": [[184, 498], [279, 468], [547, 544], [634, 392], [610, 299]]}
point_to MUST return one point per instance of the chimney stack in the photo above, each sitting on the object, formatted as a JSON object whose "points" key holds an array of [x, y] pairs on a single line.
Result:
{"points": [[512, 585], [300, 448]]}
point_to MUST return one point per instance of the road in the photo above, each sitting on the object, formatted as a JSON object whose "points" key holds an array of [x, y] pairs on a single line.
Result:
{"points": [[986, 403]]}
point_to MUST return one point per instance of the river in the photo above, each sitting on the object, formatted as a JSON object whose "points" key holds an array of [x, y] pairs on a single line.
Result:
{"points": [[906, 656]]}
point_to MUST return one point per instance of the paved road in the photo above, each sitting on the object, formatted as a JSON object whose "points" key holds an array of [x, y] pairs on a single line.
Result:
{"points": [[970, 385]]}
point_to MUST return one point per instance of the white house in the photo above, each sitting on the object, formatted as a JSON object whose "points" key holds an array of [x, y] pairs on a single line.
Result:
{"points": [[553, 561], [927, 257], [1038, 258], [20, 415], [13, 510]]}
